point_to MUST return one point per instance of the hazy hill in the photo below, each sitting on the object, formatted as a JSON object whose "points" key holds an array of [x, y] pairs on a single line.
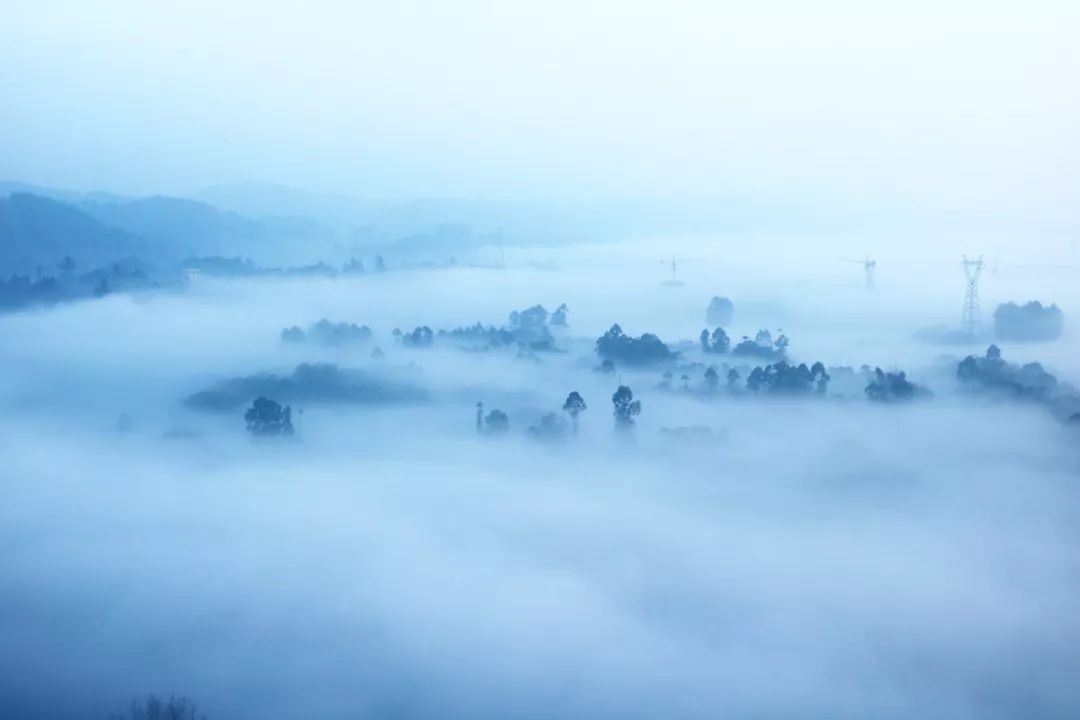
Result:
{"points": [[190, 227], [39, 231]]}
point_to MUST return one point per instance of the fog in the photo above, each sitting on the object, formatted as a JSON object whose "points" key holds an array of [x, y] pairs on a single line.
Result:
{"points": [[811, 557], [548, 360]]}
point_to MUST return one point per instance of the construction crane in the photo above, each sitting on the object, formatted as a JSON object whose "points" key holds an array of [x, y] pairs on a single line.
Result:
{"points": [[969, 317], [868, 268]]}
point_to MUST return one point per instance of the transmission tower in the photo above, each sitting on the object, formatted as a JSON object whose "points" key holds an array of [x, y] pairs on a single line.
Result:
{"points": [[969, 319], [868, 269]]}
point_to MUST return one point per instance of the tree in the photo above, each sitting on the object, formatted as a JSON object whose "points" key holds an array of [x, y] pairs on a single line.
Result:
{"points": [[762, 346], [1031, 322], [890, 387], [496, 422], [67, 265], [354, 267], [559, 316], [154, 708], [574, 406], [732, 378], [531, 318], [293, 335], [719, 311], [818, 376], [479, 416], [718, 342], [380, 265], [685, 381], [267, 417], [712, 378], [625, 407], [420, 337], [784, 379], [644, 350], [551, 427]]}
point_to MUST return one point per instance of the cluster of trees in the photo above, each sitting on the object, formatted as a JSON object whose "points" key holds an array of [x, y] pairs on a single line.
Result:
{"points": [[891, 387], [763, 346], [64, 285], [530, 318], [479, 333], [720, 311], [625, 407], [558, 317], [266, 418], [421, 337], [782, 378], [309, 382], [1032, 322], [328, 333], [716, 342], [992, 372], [1029, 381], [495, 422], [154, 708], [648, 349], [552, 426], [528, 329]]}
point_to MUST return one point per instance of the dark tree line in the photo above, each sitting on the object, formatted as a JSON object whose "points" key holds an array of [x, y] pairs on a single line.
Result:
{"points": [[648, 349], [267, 417], [328, 333], [785, 379]]}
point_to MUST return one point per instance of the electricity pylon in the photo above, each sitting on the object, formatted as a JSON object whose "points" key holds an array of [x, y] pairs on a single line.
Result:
{"points": [[868, 268], [969, 319]]}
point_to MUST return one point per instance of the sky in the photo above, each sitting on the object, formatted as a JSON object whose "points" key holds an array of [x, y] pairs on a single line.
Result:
{"points": [[940, 105]]}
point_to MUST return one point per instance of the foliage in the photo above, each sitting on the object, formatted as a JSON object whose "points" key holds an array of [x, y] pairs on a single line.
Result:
{"points": [[1031, 322], [154, 708], [268, 417], [551, 427], [762, 346], [497, 422], [293, 335], [720, 311], [718, 342], [625, 406], [992, 372], [575, 404], [328, 333], [890, 387], [559, 316], [784, 379], [309, 382], [530, 319], [421, 337], [647, 349]]}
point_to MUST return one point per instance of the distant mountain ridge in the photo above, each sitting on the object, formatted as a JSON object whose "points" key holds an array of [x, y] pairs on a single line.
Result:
{"points": [[40, 226], [39, 232]]}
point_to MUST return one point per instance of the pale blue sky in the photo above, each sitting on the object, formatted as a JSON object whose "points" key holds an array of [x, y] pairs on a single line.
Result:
{"points": [[969, 103]]}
